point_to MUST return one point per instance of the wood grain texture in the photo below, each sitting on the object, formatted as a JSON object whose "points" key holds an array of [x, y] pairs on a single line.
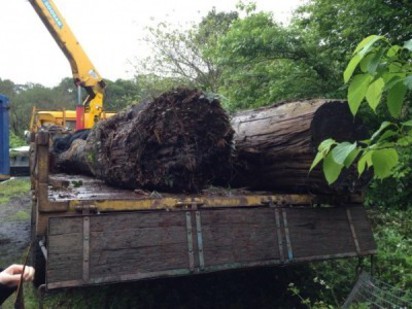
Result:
{"points": [[65, 241], [149, 244], [317, 232], [239, 236], [276, 145]]}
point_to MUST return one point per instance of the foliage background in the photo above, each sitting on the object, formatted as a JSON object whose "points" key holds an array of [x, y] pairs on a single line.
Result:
{"points": [[250, 60]]}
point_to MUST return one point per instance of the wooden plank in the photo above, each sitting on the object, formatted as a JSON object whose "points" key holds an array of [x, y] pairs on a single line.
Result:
{"points": [[237, 216], [138, 242], [239, 236], [137, 237], [319, 231], [138, 260], [64, 261], [363, 230], [60, 225], [64, 267], [135, 245], [124, 221], [120, 244]]}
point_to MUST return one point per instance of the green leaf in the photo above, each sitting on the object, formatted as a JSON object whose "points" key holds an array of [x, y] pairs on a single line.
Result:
{"points": [[387, 134], [408, 45], [393, 51], [323, 150], [407, 123], [374, 93], [383, 126], [351, 157], [365, 45], [392, 79], [318, 158], [365, 161], [331, 169], [353, 63], [384, 160], [369, 63], [341, 152], [396, 95], [408, 82], [404, 141], [374, 62], [394, 67], [365, 61], [357, 91], [325, 146]]}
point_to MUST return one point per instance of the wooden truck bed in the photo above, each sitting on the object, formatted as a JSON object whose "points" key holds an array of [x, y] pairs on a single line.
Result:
{"points": [[91, 233], [150, 242]]}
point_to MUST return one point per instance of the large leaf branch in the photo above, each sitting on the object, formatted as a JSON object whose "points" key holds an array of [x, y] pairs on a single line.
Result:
{"points": [[378, 74]]}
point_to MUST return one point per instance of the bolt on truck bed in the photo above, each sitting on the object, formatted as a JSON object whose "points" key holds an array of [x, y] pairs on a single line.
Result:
{"points": [[92, 233]]}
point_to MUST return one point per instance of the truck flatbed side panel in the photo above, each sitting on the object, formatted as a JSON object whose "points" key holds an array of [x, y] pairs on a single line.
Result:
{"points": [[362, 229], [66, 238], [239, 237], [327, 232], [113, 247]]}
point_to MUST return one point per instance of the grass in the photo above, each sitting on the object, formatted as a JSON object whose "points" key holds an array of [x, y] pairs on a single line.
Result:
{"points": [[12, 188], [19, 216]]}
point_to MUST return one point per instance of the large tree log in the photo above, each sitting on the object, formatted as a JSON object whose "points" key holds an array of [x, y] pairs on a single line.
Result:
{"points": [[180, 142], [276, 146]]}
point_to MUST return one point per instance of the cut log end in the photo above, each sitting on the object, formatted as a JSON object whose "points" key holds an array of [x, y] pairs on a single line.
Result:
{"points": [[335, 120], [180, 142]]}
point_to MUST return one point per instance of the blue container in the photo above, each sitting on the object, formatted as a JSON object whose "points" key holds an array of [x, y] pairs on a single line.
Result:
{"points": [[4, 138]]}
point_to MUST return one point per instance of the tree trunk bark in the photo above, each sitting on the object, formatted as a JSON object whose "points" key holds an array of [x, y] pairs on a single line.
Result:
{"points": [[276, 145], [183, 142]]}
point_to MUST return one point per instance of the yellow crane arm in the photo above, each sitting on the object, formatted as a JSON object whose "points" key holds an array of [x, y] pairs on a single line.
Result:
{"points": [[84, 72]]}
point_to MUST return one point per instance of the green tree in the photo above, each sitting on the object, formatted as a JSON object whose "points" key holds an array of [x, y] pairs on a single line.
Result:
{"points": [[27, 96], [121, 93], [340, 24], [334, 27], [264, 62], [16, 141], [7, 88], [152, 85], [65, 93], [183, 55]]}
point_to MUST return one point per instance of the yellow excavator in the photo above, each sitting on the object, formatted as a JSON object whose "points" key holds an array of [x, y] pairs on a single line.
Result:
{"points": [[84, 73]]}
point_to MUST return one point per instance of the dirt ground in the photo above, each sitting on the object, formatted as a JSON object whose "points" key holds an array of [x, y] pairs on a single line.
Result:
{"points": [[14, 229]]}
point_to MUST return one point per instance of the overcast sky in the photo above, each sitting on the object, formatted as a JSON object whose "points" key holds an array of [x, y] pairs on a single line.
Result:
{"points": [[108, 30]]}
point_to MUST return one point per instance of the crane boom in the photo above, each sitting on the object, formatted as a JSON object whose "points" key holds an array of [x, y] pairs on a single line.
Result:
{"points": [[84, 73]]}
